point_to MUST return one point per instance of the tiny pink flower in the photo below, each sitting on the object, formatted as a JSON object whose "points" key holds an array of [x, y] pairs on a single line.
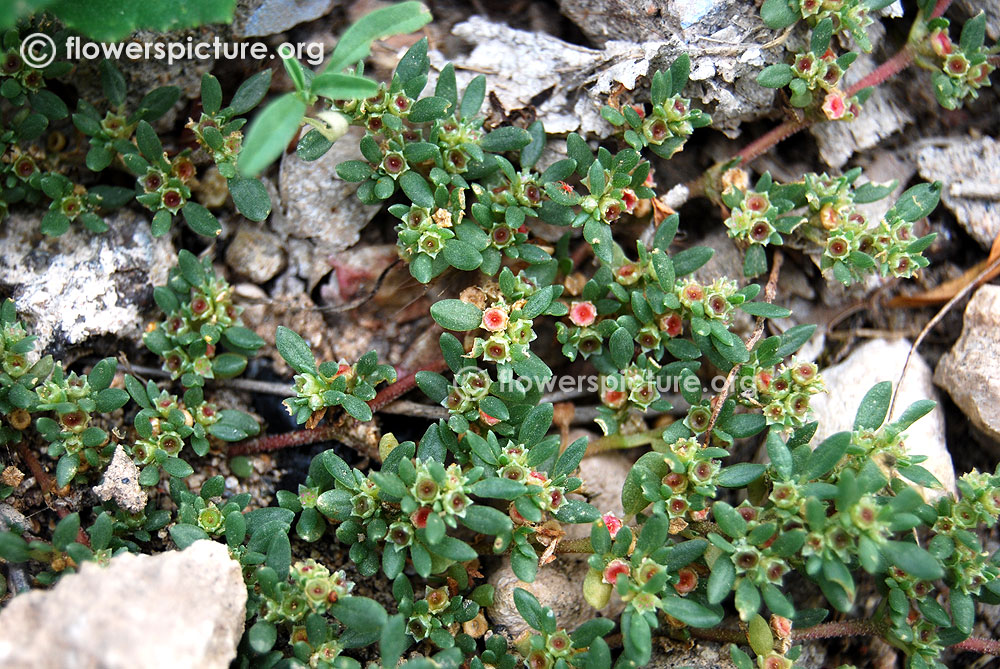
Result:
{"points": [[419, 517], [583, 313], [614, 568], [940, 42], [781, 626], [614, 399], [494, 319], [630, 199], [488, 419], [613, 523], [834, 106]]}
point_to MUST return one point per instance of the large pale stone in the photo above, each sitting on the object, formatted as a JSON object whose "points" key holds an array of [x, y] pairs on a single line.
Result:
{"points": [[174, 609], [970, 372], [876, 361]]}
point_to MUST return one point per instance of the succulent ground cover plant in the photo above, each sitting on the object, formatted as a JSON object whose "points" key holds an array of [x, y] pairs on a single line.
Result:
{"points": [[706, 537]]}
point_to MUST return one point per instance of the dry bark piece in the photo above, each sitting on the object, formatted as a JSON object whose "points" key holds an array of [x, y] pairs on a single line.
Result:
{"points": [[121, 483]]}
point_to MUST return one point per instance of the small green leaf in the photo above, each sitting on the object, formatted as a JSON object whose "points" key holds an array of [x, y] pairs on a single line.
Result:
{"points": [[177, 467], [760, 636], [417, 189], [429, 109], [250, 92], [338, 86], [487, 520], [822, 33], [262, 636], [211, 94], [505, 138], [536, 424], [498, 488], [691, 259], [827, 455], [740, 474], [473, 97], [294, 349], [269, 134], [874, 407], [765, 310], [355, 44], [917, 202], [963, 608], [972, 38], [775, 76], [456, 315], [359, 613], [184, 534], [250, 197], [66, 531], [66, 468], [913, 559], [530, 609], [778, 14], [691, 612], [793, 339], [200, 220]]}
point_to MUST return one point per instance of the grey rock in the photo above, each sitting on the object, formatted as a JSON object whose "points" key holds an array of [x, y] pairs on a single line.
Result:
{"points": [[568, 84], [258, 18], [175, 609], [970, 171], [970, 372], [17, 577], [12, 519], [882, 360], [702, 655], [711, 655], [558, 585], [319, 207], [83, 285], [255, 253]]}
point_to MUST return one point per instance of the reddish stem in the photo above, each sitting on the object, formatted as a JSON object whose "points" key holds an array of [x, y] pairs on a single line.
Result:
{"points": [[47, 485], [840, 628], [890, 68], [940, 8], [403, 385], [276, 442], [329, 431], [983, 646], [764, 143]]}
